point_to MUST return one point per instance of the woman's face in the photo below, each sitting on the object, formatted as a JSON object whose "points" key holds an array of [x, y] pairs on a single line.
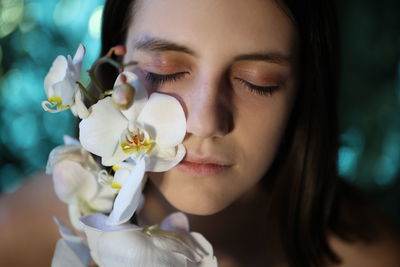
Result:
{"points": [[232, 65]]}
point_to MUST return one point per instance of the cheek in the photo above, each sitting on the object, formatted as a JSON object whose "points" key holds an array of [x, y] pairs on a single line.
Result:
{"points": [[260, 126]]}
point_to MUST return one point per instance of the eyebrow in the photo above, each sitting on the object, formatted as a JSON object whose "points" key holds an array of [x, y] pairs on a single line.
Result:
{"points": [[153, 44], [271, 57]]}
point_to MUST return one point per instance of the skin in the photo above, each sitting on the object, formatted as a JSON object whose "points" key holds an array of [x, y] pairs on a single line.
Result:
{"points": [[228, 122]]}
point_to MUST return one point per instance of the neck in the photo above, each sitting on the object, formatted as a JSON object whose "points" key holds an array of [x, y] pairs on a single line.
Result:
{"points": [[237, 233]]}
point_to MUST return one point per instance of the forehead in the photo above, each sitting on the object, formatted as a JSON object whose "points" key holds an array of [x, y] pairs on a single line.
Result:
{"points": [[215, 26]]}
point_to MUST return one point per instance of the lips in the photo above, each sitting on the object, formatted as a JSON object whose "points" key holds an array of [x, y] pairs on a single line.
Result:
{"points": [[203, 165]]}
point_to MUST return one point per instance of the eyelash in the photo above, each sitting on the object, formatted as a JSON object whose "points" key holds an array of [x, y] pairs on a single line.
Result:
{"points": [[261, 90], [159, 79]]}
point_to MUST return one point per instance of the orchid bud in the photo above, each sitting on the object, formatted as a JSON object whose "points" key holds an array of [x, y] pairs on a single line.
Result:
{"points": [[123, 95], [119, 50]]}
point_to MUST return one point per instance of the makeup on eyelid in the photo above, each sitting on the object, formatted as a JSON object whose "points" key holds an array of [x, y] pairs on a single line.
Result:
{"points": [[251, 76], [165, 61], [159, 68]]}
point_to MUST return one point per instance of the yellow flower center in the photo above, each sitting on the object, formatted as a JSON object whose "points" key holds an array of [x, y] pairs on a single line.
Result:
{"points": [[116, 185], [135, 143], [57, 101]]}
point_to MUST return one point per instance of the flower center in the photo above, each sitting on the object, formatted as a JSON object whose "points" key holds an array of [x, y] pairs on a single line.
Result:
{"points": [[57, 101], [136, 142]]}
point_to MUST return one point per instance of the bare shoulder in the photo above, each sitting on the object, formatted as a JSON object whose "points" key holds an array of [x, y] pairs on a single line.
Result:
{"points": [[26, 224], [371, 239], [383, 252]]}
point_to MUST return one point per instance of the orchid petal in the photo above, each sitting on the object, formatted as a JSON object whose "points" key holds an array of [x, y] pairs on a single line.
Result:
{"points": [[177, 222], [65, 256], [51, 107], [121, 175], [165, 116], [66, 232], [69, 140], [118, 156], [92, 235], [79, 54], [98, 222], [100, 132], [134, 248], [79, 108], [66, 89], [209, 260], [70, 152], [158, 164], [140, 95], [104, 200], [70, 250], [56, 74], [72, 181], [129, 196], [94, 226], [177, 246], [74, 214]]}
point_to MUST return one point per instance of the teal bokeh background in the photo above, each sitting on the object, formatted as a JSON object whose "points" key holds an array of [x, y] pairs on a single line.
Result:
{"points": [[34, 32]]}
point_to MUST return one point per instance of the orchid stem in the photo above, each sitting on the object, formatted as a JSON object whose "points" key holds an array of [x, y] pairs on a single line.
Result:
{"points": [[130, 63], [85, 92], [92, 73], [97, 85]]}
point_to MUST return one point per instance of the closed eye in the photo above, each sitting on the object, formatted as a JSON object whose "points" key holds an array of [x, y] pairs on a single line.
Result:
{"points": [[261, 90], [158, 79]]}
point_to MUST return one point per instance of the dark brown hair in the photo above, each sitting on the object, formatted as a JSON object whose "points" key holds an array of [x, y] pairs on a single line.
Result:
{"points": [[303, 177]]}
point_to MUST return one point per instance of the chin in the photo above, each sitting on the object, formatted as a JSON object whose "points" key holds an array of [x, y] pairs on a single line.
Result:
{"points": [[196, 199], [204, 209]]}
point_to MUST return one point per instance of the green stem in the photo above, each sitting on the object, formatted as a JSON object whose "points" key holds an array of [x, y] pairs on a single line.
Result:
{"points": [[85, 92], [92, 73], [102, 92], [130, 63]]}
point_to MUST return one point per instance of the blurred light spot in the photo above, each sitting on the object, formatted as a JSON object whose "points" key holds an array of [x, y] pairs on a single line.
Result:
{"points": [[95, 22], [386, 171], [347, 162], [66, 11], [36, 46], [388, 164], [10, 178], [29, 22], [37, 156], [24, 132], [56, 130], [13, 92], [352, 145], [11, 12], [27, 26], [22, 89], [10, 90]]}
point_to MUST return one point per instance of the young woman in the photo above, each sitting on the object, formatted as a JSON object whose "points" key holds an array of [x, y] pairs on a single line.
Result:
{"points": [[258, 82]]}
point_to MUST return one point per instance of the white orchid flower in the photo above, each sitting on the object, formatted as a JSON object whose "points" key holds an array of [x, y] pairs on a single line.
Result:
{"points": [[128, 245], [75, 178], [149, 134], [60, 85]]}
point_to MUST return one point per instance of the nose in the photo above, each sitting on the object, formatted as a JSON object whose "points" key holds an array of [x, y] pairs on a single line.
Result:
{"points": [[208, 110]]}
